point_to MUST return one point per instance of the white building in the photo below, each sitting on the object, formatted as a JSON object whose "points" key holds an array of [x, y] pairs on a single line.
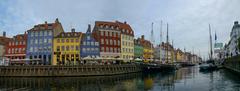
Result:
{"points": [[231, 48]]}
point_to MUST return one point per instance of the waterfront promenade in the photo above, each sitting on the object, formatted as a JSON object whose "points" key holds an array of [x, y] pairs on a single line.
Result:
{"points": [[80, 70]]}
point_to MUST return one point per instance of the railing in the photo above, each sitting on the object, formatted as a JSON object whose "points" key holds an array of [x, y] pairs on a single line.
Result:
{"points": [[80, 70]]}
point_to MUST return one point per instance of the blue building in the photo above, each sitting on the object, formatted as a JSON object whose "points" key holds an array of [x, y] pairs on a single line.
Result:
{"points": [[89, 46], [40, 42]]}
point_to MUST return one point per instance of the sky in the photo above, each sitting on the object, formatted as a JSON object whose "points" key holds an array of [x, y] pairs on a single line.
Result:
{"points": [[188, 20]]}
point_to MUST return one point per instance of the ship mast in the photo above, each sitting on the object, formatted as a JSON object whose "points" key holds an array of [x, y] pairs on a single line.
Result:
{"points": [[160, 58], [167, 42], [211, 52]]}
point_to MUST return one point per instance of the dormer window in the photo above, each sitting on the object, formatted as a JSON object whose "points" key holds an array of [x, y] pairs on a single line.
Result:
{"points": [[107, 26], [69, 35], [112, 27], [62, 34], [101, 26]]}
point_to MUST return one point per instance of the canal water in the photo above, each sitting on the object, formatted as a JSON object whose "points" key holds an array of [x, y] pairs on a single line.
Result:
{"points": [[184, 79]]}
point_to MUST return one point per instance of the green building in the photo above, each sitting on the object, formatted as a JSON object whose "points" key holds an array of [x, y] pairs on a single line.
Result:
{"points": [[138, 49]]}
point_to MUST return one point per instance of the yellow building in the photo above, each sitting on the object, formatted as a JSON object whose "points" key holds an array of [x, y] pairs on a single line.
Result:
{"points": [[66, 48], [179, 55], [127, 47], [147, 49], [127, 42]]}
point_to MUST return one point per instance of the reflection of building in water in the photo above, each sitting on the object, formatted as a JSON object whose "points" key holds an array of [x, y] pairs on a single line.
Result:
{"points": [[100, 83], [148, 83]]}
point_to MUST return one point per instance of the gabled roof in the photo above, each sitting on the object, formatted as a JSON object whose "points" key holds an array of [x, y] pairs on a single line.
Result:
{"points": [[123, 27], [4, 40]]}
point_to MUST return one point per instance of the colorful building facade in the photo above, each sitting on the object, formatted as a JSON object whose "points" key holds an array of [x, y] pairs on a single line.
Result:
{"points": [[66, 47], [40, 42], [138, 49], [3, 43], [16, 48], [147, 49], [89, 45], [108, 34], [127, 42]]}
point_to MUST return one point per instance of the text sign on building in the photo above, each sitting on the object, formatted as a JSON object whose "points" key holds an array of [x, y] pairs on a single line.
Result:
{"points": [[218, 45]]}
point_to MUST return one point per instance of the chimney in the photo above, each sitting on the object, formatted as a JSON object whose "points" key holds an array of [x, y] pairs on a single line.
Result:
{"points": [[236, 22], [125, 22], [56, 21], [142, 37], [45, 22], [89, 28], [73, 29], [4, 34]]}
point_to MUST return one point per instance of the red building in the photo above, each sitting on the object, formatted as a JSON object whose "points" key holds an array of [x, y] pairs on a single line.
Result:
{"points": [[16, 48], [108, 34]]}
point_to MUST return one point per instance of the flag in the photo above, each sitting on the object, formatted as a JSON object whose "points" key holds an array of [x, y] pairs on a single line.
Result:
{"points": [[215, 36]]}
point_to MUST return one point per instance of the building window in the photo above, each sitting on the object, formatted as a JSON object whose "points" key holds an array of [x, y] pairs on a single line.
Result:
{"points": [[67, 48], [40, 41], [72, 40], [67, 40], [58, 40], [83, 49], [77, 48], [36, 33], [9, 51], [102, 41], [9, 43], [49, 40], [62, 40], [84, 43], [16, 43], [50, 33], [88, 43], [102, 33], [114, 42], [88, 49], [107, 49], [40, 33], [58, 48], [102, 48], [46, 33], [77, 40], [92, 43], [92, 49], [119, 42], [111, 42], [106, 33], [63, 48], [106, 42], [32, 34], [13, 50], [96, 49], [110, 33], [96, 44], [36, 41], [111, 49], [88, 37], [72, 48], [45, 40]]}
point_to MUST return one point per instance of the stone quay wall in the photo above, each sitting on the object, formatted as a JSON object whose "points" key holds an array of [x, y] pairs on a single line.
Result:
{"points": [[233, 64], [80, 70]]}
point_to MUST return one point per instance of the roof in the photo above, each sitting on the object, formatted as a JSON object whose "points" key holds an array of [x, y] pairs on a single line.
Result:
{"points": [[20, 37], [69, 35], [124, 27], [4, 40], [45, 26]]}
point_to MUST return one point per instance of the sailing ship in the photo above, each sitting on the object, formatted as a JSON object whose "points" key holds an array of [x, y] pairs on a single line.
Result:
{"points": [[210, 64]]}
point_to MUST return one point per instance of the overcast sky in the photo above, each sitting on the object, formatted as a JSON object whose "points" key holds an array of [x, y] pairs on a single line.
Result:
{"points": [[188, 19]]}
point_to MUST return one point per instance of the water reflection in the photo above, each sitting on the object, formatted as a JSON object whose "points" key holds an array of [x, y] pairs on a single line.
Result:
{"points": [[185, 79]]}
